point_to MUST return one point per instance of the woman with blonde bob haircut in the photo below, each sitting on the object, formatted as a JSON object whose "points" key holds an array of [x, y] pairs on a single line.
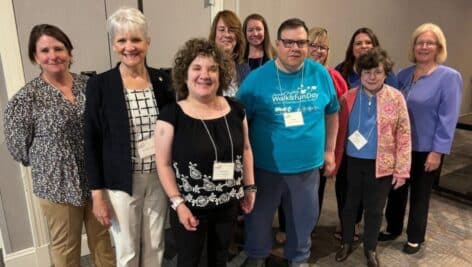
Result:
{"points": [[441, 55], [433, 94]]}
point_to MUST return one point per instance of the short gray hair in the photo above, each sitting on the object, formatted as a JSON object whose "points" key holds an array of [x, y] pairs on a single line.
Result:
{"points": [[127, 19]]}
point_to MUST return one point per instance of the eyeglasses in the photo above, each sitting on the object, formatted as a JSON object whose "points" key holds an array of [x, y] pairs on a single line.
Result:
{"points": [[427, 43], [315, 46], [288, 43]]}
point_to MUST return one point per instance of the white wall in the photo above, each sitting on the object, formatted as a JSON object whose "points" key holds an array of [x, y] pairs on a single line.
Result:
{"points": [[393, 21]]}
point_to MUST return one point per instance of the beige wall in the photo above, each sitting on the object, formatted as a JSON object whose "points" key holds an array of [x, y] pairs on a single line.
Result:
{"points": [[392, 20]]}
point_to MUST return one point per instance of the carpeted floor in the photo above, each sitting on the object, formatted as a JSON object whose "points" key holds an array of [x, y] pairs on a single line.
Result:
{"points": [[449, 233]]}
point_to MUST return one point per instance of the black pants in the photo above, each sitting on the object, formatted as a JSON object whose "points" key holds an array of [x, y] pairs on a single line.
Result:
{"points": [[363, 187], [321, 190], [341, 190], [420, 184], [215, 225]]}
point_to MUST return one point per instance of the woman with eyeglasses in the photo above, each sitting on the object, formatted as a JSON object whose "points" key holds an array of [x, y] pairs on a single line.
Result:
{"points": [[374, 133], [433, 94], [318, 50], [361, 41], [258, 49], [227, 34]]}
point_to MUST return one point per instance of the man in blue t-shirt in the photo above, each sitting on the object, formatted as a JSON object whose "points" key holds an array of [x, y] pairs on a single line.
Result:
{"points": [[291, 106]]}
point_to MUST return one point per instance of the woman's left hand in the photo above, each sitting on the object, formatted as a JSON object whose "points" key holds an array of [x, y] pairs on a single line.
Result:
{"points": [[432, 161], [247, 203], [397, 182], [329, 165]]}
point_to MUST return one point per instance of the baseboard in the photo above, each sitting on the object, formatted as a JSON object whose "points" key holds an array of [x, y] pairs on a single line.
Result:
{"points": [[31, 257]]}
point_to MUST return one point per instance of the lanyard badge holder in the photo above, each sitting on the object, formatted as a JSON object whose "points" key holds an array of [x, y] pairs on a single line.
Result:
{"points": [[221, 170]]}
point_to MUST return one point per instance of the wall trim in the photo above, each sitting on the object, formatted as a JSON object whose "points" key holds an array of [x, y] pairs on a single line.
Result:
{"points": [[38, 256]]}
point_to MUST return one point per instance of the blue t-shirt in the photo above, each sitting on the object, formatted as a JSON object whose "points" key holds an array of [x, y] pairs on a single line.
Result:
{"points": [[267, 96]]}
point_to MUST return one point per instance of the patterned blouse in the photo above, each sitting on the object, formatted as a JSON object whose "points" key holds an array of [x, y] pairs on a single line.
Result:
{"points": [[142, 113], [45, 131]]}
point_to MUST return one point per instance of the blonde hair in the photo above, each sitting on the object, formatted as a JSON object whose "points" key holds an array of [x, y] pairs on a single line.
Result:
{"points": [[441, 42], [321, 34]]}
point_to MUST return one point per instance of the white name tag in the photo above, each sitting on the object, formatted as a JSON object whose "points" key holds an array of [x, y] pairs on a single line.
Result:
{"points": [[146, 148], [357, 139], [292, 119], [223, 171]]}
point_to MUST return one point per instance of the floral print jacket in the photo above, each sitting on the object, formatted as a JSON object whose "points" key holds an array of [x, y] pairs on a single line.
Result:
{"points": [[393, 131]]}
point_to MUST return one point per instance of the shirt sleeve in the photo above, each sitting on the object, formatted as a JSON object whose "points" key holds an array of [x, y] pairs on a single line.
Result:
{"points": [[333, 104], [19, 125], [448, 113], [168, 113]]}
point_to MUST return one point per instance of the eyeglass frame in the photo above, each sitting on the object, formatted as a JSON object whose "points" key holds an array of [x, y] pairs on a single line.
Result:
{"points": [[427, 43], [289, 43], [318, 47]]}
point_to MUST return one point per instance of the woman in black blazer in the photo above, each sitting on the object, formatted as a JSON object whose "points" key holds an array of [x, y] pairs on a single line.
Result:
{"points": [[121, 109]]}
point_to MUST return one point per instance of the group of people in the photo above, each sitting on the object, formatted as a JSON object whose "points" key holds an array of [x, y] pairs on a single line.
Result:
{"points": [[239, 127]]}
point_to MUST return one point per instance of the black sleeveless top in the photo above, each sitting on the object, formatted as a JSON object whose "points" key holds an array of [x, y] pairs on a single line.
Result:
{"points": [[193, 155]]}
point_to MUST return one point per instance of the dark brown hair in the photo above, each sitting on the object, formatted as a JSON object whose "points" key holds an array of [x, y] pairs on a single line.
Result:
{"points": [[185, 56], [292, 23], [373, 58], [350, 60], [49, 30]]}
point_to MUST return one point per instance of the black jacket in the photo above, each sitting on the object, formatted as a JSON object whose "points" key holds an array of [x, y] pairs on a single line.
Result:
{"points": [[107, 130]]}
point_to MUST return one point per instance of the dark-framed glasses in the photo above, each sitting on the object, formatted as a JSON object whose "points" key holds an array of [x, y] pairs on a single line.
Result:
{"points": [[289, 43]]}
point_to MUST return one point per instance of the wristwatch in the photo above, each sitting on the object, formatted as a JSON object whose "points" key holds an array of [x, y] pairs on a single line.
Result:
{"points": [[176, 201]]}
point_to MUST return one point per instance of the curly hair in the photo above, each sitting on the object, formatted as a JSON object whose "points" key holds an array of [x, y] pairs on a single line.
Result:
{"points": [[200, 47], [373, 58]]}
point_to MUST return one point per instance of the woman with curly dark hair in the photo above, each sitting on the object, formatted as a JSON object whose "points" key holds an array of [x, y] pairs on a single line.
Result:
{"points": [[205, 159]]}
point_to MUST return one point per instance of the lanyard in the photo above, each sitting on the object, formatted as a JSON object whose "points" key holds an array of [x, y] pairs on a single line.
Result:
{"points": [[213, 141], [360, 111], [280, 85]]}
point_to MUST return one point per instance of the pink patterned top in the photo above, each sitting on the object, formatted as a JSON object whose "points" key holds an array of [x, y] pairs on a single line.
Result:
{"points": [[393, 131]]}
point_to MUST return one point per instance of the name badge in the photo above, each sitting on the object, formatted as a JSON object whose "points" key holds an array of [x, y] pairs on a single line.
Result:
{"points": [[146, 148], [292, 119], [223, 171], [357, 139]]}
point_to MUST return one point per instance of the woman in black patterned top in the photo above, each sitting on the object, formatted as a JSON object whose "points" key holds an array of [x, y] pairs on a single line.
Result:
{"points": [[44, 129], [204, 156], [121, 110]]}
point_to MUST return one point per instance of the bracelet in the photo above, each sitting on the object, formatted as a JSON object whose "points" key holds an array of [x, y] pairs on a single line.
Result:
{"points": [[250, 188], [176, 201]]}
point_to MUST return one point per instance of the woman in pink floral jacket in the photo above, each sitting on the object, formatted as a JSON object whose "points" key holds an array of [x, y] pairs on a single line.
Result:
{"points": [[374, 132]]}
